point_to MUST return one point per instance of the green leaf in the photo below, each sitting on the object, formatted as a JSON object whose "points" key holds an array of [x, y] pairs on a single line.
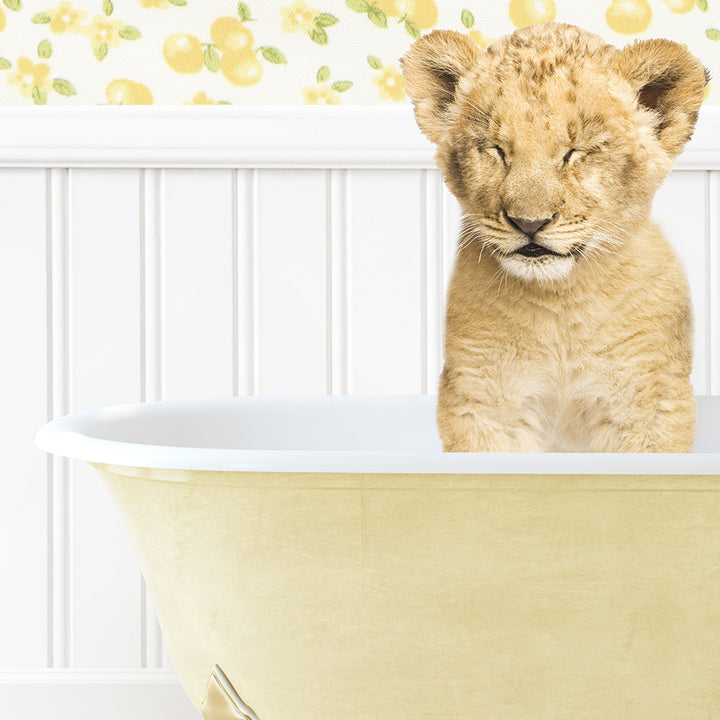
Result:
{"points": [[39, 97], [44, 49], [212, 59], [319, 36], [341, 86], [323, 74], [374, 62], [468, 19], [326, 20], [130, 33], [702, 4], [5, 64], [100, 51], [377, 16], [12, 4], [273, 55], [244, 12], [107, 7], [41, 19], [178, 3], [411, 30], [64, 87], [713, 34], [360, 6]]}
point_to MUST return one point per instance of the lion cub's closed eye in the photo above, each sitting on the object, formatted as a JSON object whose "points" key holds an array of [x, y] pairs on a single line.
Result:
{"points": [[568, 323]]}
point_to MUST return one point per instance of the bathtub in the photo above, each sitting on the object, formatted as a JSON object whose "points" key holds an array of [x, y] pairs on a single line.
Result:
{"points": [[322, 559]]}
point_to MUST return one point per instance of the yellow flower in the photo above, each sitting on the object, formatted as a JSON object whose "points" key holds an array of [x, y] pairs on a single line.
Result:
{"points": [[104, 30], [298, 17], [201, 99], [161, 4], [322, 95], [28, 75], [390, 84], [66, 18]]}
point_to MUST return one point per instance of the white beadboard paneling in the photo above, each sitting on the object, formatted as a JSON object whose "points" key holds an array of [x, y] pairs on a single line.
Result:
{"points": [[386, 295], [198, 303], [315, 261], [680, 209], [23, 407], [105, 330], [292, 282]]}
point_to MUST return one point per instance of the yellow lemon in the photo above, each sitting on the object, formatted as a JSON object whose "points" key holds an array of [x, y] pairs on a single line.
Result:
{"points": [[126, 92], [392, 8], [531, 12], [424, 14], [707, 92], [183, 53], [629, 16], [2, 19], [229, 34], [241, 68], [680, 6], [480, 40]]}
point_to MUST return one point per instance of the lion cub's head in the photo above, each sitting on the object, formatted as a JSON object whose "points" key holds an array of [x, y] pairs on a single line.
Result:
{"points": [[553, 141]]}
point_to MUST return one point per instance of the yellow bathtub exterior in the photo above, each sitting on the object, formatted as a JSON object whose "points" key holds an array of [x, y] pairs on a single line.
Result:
{"points": [[435, 597]]}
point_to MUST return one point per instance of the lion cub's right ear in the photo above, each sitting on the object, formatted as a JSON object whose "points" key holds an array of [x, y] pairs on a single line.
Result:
{"points": [[432, 68]]}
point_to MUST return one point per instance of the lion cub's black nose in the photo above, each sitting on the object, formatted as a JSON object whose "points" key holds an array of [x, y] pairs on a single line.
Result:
{"points": [[529, 227]]}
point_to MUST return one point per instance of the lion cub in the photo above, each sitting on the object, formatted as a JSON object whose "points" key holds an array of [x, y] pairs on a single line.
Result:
{"points": [[568, 323]]}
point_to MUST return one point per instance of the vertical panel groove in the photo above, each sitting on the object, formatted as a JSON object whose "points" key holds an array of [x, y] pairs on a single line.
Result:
{"points": [[426, 211], [235, 291], [337, 276], [713, 236], [253, 290], [152, 358], [50, 412], [59, 393], [347, 318], [245, 280], [432, 264], [244, 231]]}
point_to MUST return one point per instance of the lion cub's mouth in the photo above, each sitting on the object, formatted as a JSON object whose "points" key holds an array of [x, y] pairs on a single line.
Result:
{"points": [[533, 250]]}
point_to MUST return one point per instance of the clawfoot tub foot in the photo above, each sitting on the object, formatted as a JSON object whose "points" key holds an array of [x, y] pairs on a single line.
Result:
{"points": [[222, 701]]}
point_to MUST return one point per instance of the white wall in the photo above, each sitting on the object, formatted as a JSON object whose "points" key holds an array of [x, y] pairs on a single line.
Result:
{"points": [[221, 264]]}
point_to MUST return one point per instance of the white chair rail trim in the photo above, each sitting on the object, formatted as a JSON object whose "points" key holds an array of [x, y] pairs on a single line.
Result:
{"points": [[252, 137]]}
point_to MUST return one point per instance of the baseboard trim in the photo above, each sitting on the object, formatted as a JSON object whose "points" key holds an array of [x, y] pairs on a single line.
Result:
{"points": [[92, 694]]}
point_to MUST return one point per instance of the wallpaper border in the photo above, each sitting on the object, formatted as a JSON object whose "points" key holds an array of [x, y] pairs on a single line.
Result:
{"points": [[249, 137]]}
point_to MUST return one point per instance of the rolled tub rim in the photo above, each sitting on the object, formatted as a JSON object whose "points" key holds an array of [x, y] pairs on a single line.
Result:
{"points": [[71, 436]]}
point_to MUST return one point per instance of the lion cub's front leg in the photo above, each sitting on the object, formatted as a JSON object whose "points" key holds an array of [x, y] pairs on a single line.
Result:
{"points": [[474, 416]]}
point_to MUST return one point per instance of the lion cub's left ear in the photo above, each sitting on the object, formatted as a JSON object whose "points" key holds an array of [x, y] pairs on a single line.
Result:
{"points": [[668, 80], [432, 69]]}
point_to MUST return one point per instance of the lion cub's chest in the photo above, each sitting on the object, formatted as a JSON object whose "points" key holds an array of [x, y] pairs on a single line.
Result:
{"points": [[564, 384]]}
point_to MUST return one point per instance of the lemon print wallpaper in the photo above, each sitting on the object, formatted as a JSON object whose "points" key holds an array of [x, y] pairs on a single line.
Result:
{"points": [[285, 52]]}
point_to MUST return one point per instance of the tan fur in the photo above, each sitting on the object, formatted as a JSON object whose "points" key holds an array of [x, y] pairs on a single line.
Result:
{"points": [[589, 349]]}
